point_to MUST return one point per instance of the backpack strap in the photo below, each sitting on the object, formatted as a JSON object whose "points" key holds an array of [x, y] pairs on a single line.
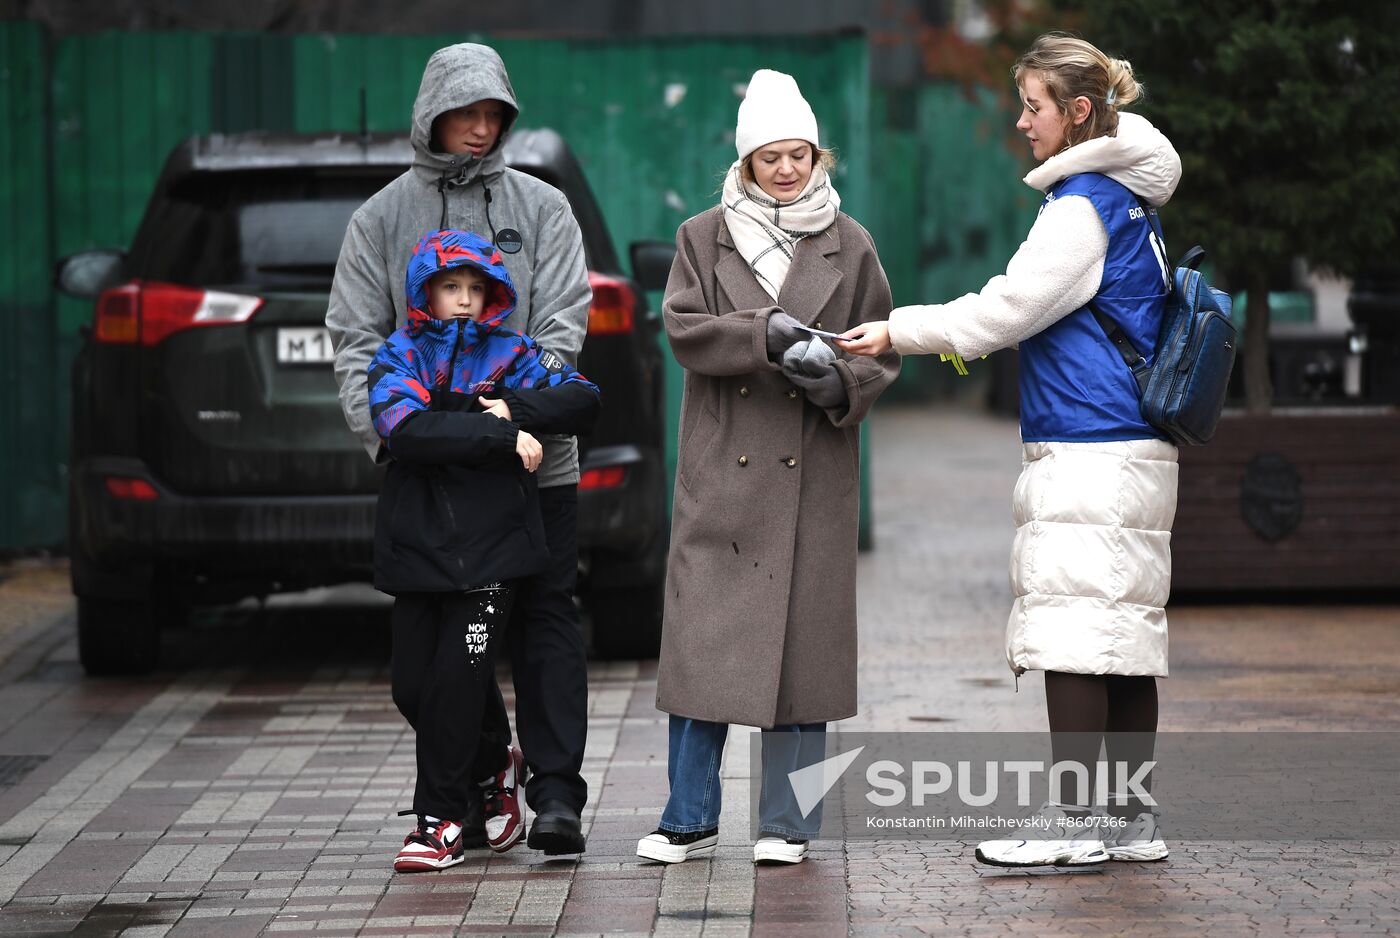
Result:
{"points": [[1131, 356], [1192, 258]]}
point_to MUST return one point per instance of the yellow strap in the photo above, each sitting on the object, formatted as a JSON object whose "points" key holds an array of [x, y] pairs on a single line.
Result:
{"points": [[957, 362]]}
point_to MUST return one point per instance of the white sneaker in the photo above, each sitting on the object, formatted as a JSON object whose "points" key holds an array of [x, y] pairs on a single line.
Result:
{"points": [[1051, 836], [669, 847], [1139, 841], [773, 849]]}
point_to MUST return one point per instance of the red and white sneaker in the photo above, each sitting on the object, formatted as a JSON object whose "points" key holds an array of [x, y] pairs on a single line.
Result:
{"points": [[504, 801], [433, 845]]}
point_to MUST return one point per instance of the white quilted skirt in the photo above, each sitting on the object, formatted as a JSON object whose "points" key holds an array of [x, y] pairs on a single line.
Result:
{"points": [[1091, 563]]}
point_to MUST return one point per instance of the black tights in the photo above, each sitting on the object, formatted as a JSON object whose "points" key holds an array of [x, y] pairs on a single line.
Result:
{"points": [[1082, 708]]}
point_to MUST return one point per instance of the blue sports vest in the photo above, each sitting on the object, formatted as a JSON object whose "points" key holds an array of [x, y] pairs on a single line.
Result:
{"points": [[1074, 384]]}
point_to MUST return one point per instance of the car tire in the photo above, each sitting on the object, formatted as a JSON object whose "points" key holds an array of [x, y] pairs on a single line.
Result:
{"points": [[627, 622], [117, 636]]}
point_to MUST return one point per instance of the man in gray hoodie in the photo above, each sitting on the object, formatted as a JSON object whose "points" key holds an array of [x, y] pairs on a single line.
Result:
{"points": [[463, 114]]}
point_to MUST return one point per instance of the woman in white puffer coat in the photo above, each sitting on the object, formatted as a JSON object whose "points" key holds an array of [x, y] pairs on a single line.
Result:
{"points": [[1091, 561]]}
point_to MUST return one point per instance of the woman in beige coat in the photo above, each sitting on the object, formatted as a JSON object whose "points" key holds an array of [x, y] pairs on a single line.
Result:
{"points": [[760, 623]]}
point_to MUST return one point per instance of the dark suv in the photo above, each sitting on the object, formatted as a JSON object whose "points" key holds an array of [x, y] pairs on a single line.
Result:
{"points": [[210, 460]]}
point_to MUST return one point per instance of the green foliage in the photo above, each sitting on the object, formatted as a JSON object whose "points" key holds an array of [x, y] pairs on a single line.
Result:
{"points": [[1286, 114]]}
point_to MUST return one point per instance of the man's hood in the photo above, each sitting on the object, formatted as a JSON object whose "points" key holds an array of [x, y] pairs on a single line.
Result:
{"points": [[444, 250], [1140, 157], [454, 77]]}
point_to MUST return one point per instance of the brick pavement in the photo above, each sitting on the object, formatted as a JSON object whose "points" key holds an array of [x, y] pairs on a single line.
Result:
{"points": [[251, 789], [937, 582]]}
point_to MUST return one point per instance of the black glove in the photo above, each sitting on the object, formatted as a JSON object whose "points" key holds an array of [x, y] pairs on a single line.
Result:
{"points": [[811, 365], [783, 331]]}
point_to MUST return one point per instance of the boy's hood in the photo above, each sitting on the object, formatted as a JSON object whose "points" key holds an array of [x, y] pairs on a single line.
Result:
{"points": [[454, 77], [1139, 156], [447, 249]]}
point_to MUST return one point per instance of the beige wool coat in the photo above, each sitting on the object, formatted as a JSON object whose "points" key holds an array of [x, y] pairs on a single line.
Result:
{"points": [[760, 614]]}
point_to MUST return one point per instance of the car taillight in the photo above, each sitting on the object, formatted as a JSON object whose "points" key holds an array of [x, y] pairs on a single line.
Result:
{"points": [[604, 477], [612, 308], [116, 319], [149, 312], [132, 489]]}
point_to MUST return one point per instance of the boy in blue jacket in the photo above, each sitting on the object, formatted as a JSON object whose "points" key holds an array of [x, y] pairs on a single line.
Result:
{"points": [[458, 400]]}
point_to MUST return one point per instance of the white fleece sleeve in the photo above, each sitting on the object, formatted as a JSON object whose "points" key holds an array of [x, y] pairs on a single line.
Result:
{"points": [[1055, 271]]}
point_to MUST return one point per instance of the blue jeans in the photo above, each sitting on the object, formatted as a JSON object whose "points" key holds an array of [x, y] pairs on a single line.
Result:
{"points": [[693, 771]]}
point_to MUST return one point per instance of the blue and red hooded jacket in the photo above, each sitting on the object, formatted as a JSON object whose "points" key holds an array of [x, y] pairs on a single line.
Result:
{"points": [[457, 509]]}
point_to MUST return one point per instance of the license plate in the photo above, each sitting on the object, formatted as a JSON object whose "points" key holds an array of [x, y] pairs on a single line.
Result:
{"points": [[304, 346]]}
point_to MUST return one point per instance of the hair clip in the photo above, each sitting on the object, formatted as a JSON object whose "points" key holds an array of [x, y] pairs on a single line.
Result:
{"points": [[1112, 96]]}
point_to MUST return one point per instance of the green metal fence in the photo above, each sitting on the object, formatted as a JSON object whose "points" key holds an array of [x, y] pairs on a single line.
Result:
{"points": [[951, 208], [33, 395], [87, 121]]}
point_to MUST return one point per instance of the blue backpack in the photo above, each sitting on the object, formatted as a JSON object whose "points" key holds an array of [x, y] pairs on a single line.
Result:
{"points": [[1182, 391]]}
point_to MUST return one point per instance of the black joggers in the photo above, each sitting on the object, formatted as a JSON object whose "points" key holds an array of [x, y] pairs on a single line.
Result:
{"points": [[444, 679], [549, 667]]}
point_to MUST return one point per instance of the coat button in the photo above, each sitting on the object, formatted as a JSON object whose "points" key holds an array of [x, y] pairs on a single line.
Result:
{"points": [[819, 325], [743, 392], [743, 460], [790, 462], [792, 393]]}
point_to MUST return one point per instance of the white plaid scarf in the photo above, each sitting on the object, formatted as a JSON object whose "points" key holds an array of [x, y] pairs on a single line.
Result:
{"points": [[766, 231]]}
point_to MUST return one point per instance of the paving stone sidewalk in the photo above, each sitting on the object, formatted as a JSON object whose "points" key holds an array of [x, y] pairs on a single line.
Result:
{"points": [[251, 789], [261, 798], [934, 601]]}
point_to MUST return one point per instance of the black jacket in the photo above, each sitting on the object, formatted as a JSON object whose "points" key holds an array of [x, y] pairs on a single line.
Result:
{"points": [[457, 510]]}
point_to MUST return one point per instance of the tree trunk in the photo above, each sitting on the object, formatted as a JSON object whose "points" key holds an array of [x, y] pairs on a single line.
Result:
{"points": [[1258, 388]]}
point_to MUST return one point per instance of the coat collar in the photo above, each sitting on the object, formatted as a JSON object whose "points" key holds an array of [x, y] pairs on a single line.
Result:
{"points": [[810, 280]]}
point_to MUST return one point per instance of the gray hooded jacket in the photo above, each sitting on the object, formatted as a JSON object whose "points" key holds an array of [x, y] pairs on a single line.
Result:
{"points": [[443, 190]]}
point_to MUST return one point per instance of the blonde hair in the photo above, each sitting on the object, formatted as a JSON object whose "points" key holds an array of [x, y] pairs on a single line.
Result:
{"points": [[1072, 68], [825, 158]]}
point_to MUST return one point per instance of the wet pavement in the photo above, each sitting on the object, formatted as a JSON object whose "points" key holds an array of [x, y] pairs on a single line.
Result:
{"points": [[251, 786]]}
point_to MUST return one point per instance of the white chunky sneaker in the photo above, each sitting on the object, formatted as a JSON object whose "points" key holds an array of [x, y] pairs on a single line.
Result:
{"points": [[1139, 841], [1051, 836], [770, 848]]}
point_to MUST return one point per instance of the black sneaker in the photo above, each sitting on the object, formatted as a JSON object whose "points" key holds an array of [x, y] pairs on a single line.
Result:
{"points": [[670, 847], [557, 830]]}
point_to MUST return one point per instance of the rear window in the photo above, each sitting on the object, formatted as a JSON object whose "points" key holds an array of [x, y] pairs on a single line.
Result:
{"points": [[282, 229], [266, 230]]}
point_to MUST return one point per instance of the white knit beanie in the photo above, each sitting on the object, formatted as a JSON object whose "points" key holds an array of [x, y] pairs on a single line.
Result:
{"points": [[773, 109]]}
